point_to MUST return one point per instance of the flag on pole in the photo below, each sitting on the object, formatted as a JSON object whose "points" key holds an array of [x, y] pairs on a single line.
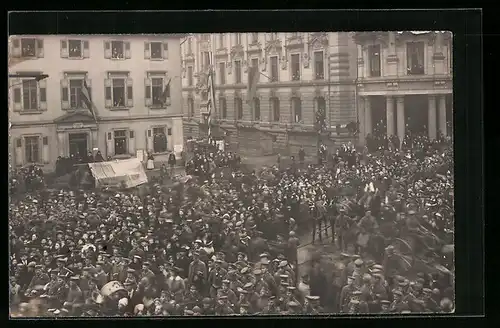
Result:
{"points": [[253, 79], [211, 101], [166, 92], [88, 101]]}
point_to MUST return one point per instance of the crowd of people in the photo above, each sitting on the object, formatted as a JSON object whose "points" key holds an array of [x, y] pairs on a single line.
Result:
{"points": [[228, 244]]}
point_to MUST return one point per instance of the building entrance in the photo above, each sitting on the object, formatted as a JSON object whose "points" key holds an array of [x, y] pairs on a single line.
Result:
{"points": [[78, 145]]}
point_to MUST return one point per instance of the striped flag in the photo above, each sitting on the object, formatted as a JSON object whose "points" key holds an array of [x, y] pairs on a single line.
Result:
{"points": [[253, 79], [211, 101], [87, 100]]}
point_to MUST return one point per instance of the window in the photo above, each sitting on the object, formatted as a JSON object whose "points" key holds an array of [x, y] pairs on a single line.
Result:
{"points": [[190, 107], [238, 105], [32, 149], [274, 68], [275, 105], [156, 50], [296, 109], [157, 90], [190, 46], [255, 37], [238, 38], [206, 59], [74, 49], [237, 71], [118, 91], [256, 109], [190, 75], [223, 107], [222, 73], [319, 66], [221, 40], [374, 60], [30, 97], [27, 47], [320, 120], [415, 58], [117, 50], [295, 65], [159, 140], [75, 93], [121, 147]]}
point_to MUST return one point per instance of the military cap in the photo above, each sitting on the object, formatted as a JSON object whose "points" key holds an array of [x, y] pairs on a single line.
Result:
{"points": [[385, 302], [130, 270], [225, 281], [264, 261], [57, 312], [283, 276], [377, 266], [245, 270], [257, 272], [355, 256], [358, 262], [291, 288], [356, 292], [354, 301], [223, 297], [377, 275], [284, 283], [75, 278], [283, 264], [206, 300], [244, 305], [31, 264], [38, 266], [137, 257], [293, 304], [248, 285], [62, 259], [427, 290], [242, 254], [54, 271], [404, 283], [146, 263], [264, 255], [345, 254]]}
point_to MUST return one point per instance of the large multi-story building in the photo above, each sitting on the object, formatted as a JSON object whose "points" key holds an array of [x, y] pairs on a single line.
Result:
{"points": [[134, 83], [404, 83], [299, 73]]}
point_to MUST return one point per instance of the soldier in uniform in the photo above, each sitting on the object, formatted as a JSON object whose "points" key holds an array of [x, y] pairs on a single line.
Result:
{"points": [[75, 295], [293, 308], [197, 272], [146, 271], [223, 307], [272, 307], [39, 279], [398, 305], [259, 283], [312, 305], [207, 307], [216, 276], [345, 295], [226, 291], [131, 278], [341, 226]]}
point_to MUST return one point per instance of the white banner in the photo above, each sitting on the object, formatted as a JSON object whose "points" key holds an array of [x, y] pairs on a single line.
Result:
{"points": [[126, 173]]}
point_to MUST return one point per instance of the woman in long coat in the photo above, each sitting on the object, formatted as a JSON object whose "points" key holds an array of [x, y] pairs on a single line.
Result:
{"points": [[150, 163]]}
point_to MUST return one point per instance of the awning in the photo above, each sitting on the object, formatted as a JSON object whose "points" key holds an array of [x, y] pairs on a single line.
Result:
{"points": [[126, 173]]}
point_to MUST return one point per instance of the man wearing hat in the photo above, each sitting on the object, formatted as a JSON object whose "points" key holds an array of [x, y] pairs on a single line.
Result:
{"points": [[346, 294], [226, 291], [146, 271], [197, 272], [223, 307], [131, 277], [312, 305], [398, 305], [341, 226], [75, 295], [216, 276], [39, 278]]}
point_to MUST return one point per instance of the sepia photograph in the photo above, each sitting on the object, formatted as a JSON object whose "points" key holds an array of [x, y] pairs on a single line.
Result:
{"points": [[231, 174]]}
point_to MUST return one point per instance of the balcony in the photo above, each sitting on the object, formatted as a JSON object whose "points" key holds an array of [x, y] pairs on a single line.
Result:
{"points": [[415, 70]]}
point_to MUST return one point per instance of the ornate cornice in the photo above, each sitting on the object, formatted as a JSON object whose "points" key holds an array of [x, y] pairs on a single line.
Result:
{"points": [[237, 51]]}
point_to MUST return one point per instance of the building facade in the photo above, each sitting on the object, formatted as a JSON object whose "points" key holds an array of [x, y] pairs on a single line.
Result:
{"points": [[134, 83], [299, 72], [404, 83]]}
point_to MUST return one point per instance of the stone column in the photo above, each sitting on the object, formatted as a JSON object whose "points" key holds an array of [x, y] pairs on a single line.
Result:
{"points": [[390, 115], [361, 118], [60, 144], [392, 57], [442, 115], [431, 126], [368, 116], [400, 106]]}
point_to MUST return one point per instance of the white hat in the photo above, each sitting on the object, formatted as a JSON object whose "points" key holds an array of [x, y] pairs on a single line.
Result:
{"points": [[123, 302]]}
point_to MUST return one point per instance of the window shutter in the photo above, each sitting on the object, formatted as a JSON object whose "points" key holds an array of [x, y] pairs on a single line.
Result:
{"points": [[45, 150], [165, 50], [39, 48], [17, 94], [107, 49], [16, 48], [128, 55], [42, 94], [131, 143], [107, 93], [130, 93], [149, 140], [64, 94], [64, 49], [86, 50], [147, 52], [147, 92], [110, 144], [18, 152]]}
